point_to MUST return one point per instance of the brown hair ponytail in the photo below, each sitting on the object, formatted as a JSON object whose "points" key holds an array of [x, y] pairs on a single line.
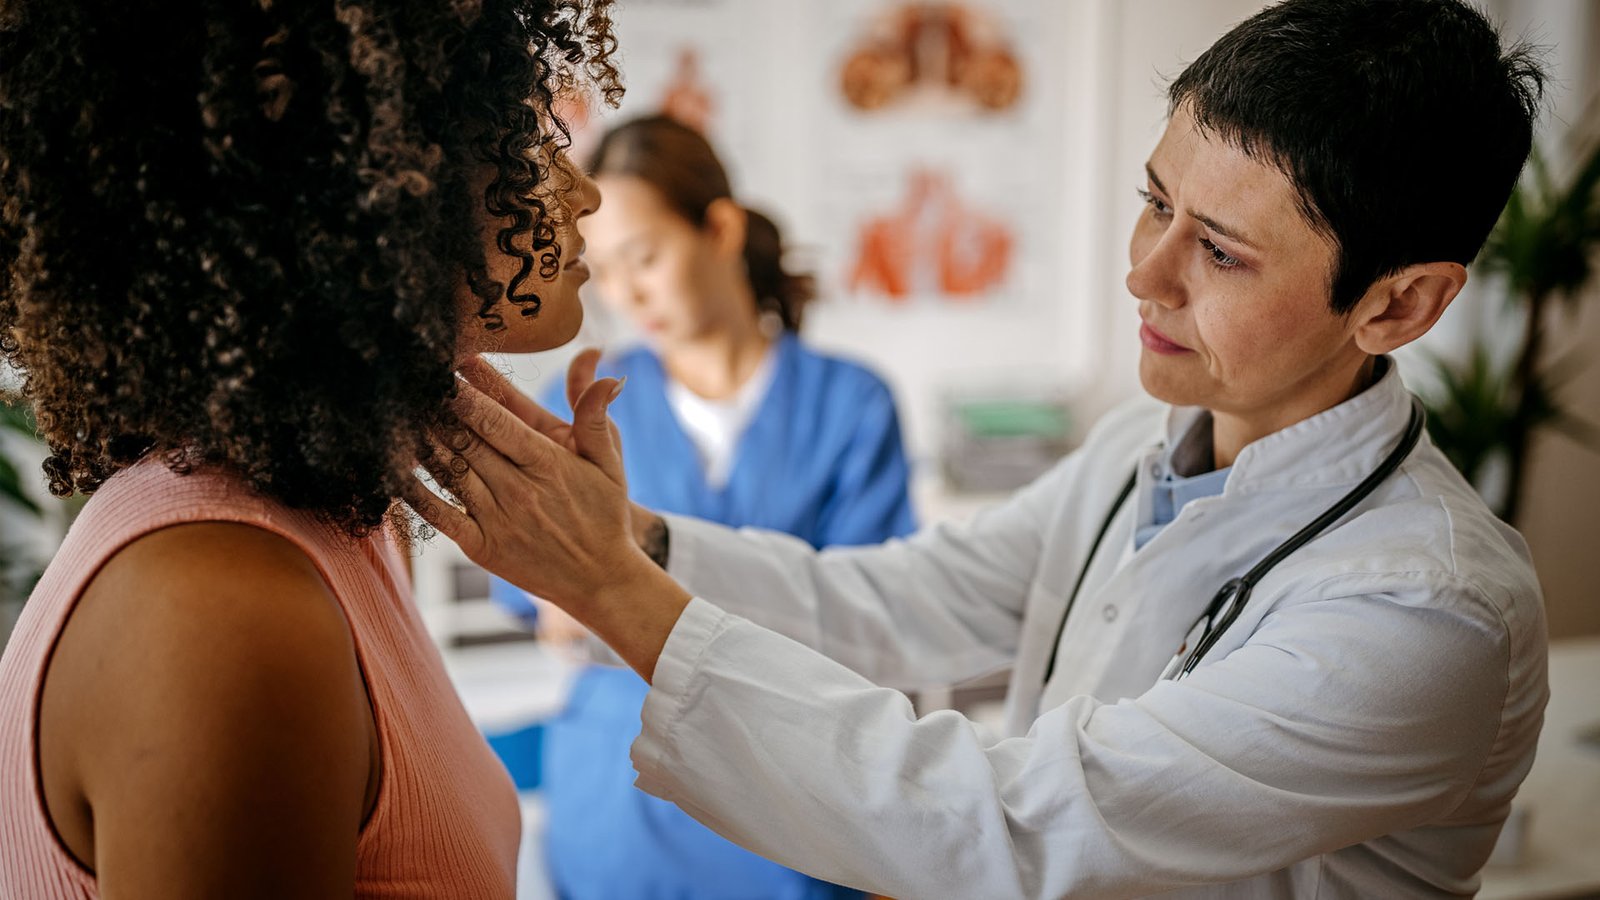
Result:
{"points": [[678, 162], [777, 289]]}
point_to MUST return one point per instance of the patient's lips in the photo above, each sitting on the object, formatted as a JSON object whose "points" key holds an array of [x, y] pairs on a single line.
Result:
{"points": [[577, 267]]}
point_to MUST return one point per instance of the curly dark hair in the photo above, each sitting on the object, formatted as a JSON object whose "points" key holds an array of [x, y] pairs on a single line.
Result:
{"points": [[232, 232]]}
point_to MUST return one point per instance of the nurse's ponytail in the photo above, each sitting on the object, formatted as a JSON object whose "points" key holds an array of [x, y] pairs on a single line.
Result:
{"points": [[677, 161], [778, 291]]}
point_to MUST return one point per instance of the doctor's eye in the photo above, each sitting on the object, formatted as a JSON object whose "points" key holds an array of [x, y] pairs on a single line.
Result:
{"points": [[1218, 257], [1155, 203]]}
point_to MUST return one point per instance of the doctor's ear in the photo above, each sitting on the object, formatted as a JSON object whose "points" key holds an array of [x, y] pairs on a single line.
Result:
{"points": [[726, 225], [1400, 308]]}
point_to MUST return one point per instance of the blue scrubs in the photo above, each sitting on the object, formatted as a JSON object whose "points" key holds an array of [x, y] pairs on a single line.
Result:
{"points": [[821, 459]]}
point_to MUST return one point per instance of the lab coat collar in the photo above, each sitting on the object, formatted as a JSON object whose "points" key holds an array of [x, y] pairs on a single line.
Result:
{"points": [[1338, 446]]}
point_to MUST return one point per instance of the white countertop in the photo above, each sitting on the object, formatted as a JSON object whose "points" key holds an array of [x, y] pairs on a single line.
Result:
{"points": [[1562, 794], [508, 686]]}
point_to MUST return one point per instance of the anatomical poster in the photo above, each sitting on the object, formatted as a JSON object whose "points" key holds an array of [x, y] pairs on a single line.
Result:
{"points": [[682, 58], [936, 138]]}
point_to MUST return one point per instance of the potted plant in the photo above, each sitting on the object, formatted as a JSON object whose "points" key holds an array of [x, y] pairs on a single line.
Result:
{"points": [[1487, 410], [17, 569]]}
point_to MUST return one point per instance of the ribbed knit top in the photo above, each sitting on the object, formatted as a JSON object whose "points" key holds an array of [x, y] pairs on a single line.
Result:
{"points": [[446, 823]]}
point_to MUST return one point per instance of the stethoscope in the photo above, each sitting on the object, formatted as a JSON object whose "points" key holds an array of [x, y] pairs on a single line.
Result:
{"points": [[1231, 599]]}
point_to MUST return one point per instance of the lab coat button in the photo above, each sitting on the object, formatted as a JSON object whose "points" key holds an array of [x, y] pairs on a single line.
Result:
{"points": [[1110, 612]]}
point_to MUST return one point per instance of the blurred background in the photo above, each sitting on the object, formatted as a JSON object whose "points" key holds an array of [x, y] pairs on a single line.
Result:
{"points": [[960, 177]]}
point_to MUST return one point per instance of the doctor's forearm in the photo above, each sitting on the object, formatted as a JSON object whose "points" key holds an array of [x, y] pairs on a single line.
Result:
{"points": [[634, 612]]}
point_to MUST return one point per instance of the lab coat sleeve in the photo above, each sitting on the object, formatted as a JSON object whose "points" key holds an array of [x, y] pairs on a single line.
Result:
{"points": [[939, 607], [1339, 720], [871, 500]]}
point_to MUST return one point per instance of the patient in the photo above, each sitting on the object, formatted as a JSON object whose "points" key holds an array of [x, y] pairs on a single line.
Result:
{"points": [[242, 246]]}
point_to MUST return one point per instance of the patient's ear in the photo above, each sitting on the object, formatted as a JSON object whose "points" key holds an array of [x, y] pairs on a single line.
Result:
{"points": [[1401, 307]]}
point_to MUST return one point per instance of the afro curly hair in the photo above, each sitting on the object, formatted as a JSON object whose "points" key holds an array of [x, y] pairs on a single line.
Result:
{"points": [[231, 232]]}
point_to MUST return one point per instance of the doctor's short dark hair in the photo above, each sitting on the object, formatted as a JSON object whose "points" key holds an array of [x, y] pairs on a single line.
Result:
{"points": [[1402, 124]]}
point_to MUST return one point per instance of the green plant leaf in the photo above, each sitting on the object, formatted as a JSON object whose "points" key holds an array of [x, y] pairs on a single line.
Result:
{"points": [[11, 487], [17, 418], [1543, 242], [1469, 416]]}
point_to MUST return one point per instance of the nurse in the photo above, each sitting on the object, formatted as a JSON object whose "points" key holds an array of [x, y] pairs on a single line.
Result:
{"points": [[727, 417], [1352, 721]]}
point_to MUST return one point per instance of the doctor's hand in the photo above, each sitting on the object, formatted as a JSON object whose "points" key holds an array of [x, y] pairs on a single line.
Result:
{"points": [[550, 514], [648, 528], [563, 635], [478, 372]]}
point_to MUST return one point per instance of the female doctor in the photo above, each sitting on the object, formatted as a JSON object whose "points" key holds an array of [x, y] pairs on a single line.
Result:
{"points": [[1265, 641], [730, 418]]}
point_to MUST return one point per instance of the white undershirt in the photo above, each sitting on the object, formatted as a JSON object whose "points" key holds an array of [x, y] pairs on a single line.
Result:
{"points": [[715, 426]]}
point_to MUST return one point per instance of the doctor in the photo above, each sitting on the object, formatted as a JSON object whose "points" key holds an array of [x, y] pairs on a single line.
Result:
{"points": [[1360, 711]]}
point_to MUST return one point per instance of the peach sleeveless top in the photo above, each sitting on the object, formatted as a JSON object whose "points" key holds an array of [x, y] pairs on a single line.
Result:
{"points": [[446, 823]]}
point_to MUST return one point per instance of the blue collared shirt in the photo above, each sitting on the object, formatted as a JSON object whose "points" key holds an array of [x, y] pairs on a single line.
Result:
{"points": [[1171, 491]]}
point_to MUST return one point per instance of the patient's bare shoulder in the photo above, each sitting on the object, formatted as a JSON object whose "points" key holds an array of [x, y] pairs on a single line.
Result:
{"points": [[204, 728]]}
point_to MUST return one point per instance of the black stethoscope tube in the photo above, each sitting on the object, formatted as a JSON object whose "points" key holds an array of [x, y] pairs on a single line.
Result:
{"points": [[1225, 607]]}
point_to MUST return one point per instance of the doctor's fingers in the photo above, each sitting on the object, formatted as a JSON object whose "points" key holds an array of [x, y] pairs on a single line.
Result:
{"points": [[503, 501], [504, 432], [493, 384], [452, 522], [580, 375], [593, 433], [452, 470]]}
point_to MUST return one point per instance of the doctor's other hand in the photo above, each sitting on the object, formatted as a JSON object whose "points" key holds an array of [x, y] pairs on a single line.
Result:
{"points": [[648, 527], [553, 517], [561, 632]]}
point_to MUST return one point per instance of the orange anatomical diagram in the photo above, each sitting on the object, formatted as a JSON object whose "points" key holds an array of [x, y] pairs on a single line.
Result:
{"points": [[575, 110], [935, 243], [686, 98], [945, 47]]}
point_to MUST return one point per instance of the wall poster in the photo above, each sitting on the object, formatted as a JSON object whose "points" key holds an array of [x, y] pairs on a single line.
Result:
{"points": [[936, 132]]}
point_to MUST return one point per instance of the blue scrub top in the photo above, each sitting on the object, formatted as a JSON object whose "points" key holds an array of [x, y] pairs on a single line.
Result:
{"points": [[822, 459]]}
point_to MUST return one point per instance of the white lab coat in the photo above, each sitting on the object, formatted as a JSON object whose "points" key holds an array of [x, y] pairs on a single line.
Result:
{"points": [[1359, 732]]}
